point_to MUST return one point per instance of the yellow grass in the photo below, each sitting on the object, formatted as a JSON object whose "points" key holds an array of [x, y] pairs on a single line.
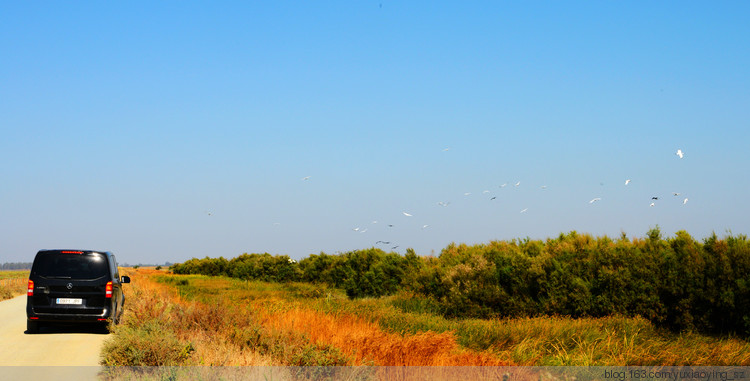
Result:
{"points": [[13, 283]]}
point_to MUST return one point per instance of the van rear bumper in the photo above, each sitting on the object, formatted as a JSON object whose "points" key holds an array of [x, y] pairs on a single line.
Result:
{"points": [[69, 316]]}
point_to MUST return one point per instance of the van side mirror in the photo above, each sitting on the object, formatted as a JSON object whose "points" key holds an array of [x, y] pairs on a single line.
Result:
{"points": [[125, 279]]}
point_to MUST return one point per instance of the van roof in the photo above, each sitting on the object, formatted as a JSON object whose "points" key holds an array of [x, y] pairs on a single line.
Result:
{"points": [[74, 251]]}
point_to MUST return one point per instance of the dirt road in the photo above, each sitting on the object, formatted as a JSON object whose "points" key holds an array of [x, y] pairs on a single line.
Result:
{"points": [[56, 352]]}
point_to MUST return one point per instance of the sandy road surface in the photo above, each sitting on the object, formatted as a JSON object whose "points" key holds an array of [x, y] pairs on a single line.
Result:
{"points": [[54, 353]]}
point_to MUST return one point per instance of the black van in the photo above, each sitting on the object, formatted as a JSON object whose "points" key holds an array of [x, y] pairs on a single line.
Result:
{"points": [[74, 286]]}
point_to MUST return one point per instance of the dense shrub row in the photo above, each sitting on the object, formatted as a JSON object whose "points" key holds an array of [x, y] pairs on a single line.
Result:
{"points": [[676, 282], [370, 272], [265, 267]]}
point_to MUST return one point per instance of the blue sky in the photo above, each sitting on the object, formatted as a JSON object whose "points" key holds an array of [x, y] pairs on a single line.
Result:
{"points": [[124, 125]]}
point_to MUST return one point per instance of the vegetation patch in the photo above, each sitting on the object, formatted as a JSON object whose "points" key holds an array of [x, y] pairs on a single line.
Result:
{"points": [[676, 283], [13, 283], [382, 331]]}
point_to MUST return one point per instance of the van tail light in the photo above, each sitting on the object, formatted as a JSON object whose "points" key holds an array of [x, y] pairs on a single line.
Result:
{"points": [[108, 290], [30, 291]]}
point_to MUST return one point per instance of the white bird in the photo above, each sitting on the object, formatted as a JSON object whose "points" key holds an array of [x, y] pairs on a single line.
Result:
{"points": [[524, 210], [652, 204], [292, 261], [684, 201], [406, 214], [627, 181], [544, 187], [363, 230], [306, 178], [467, 193], [679, 153], [595, 200], [517, 184], [485, 192], [504, 185], [425, 226], [443, 203], [356, 229], [446, 149]]}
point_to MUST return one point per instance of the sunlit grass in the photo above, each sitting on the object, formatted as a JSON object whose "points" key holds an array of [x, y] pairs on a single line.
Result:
{"points": [[13, 283], [14, 274], [165, 326]]}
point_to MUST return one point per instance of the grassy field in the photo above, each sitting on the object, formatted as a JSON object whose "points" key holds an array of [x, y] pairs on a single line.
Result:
{"points": [[13, 283], [201, 320]]}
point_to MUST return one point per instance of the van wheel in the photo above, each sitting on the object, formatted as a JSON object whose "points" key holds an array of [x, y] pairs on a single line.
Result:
{"points": [[32, 327]]}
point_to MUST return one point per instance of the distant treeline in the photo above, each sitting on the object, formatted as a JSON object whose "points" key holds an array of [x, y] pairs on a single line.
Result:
{"points": [[678, 282], [16, 266]]}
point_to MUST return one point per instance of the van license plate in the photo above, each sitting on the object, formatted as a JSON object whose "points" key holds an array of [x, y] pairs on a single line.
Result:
{"points": [[69, 301]]}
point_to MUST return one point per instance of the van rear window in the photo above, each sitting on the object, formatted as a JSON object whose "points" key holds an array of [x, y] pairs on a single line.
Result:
{"points": [[70, 266]]}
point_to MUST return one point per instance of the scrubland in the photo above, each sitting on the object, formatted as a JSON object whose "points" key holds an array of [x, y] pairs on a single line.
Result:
{"points": [[216, 320]]}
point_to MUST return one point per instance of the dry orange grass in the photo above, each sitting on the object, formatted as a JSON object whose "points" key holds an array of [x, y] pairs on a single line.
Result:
{"points": [[369, 345], [194, 322]]}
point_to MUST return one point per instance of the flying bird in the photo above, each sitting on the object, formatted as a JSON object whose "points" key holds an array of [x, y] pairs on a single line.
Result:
{"points": [[675, 193], [679, 153], [524, 210], [652, 204], [493, 197], [595, 200], [504, 185], [684, 201], [425, 226], [306, 178], [627, 181], [517, 184], [406, 214], [654, 198]]}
